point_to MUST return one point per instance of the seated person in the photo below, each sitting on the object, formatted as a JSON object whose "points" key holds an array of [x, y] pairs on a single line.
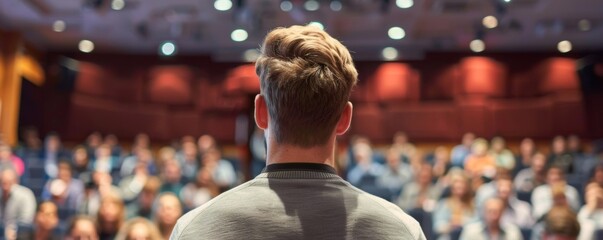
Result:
{"points": [[45, 225], [104, 161], [559, 155], [65, 191], [457, 210], [9, 160], [17, 202], [142, 156], [490, 225], [200, 191], [396, 173], [142, 206], [543, 196], [502, 156], [590, 215], [188, 158], [462, 151], [222, 171], [171, 177], [523, 160], [532, 177], [110, 217], [561, 223], [421, 193], [516, 212], [479, 162], [82, 227], [168, 211], [365, 167], [139, 228]]}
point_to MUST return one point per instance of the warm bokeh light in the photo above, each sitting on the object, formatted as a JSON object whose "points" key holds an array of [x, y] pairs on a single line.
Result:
{"points": [[86, 46], [389, 53], [404, 3], [223, 5], [490, 22], [59, 26], [118, 5], [396, 33], [477, 45], [564, 46], [239, 35]]}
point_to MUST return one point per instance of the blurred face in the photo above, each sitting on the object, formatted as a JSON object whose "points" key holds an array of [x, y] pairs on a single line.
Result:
{"points": [[573, 143], [84, 230], [206, 142], [598, 177], [459, 188], [64, 172], [94, 140], [146, 199], [5, 153], [47, 217], [479, 149], [103, 151], [172, 172], [109, 211], [493, 211], [169, 210], [8, 178], [189, 149], [393, 160], [139, 231], [144, 155], [400, 139], [53, 143], [468, 139], [527, 146], [111, 140], [538, 163], [558, 145], [80, 157], [554, 175], [505, 188], [362, 153], [142, 140], [424, 176], [498, 144]]}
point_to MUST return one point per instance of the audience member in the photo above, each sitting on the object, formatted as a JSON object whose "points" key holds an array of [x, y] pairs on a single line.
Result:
{"points": [[51, 154], [523, 160], [113, 143], [515, 212], [561, 223], [460, 152], [366, 170], [131, 186], [502, 156], [574, 146], [31, 144], [139, 229], [597, 175], [488, 190], [491, 226], [141, 141], [453, 212], [200, 191], [222, 171], [81, 162], [479, 162], [530, 178], [169, 210], [441, 161], [82, 227], [165, 154], [544, 195], [590, 215], [404, 148], [188, 158], [65, 191], [93, 141], [110, 217], [104, 161], [559, 155], [171, 177], [10, 161], [396, 173], [421, 193], [17, 203], [143, 204], [205, 143], [99, 187], [142, 156], [45, 225]]}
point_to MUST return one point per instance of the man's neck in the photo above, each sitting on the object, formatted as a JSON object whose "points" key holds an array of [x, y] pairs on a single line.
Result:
{"points": [[285, 153]]}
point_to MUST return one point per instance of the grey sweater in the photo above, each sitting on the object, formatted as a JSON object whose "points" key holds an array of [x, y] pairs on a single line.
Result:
{"points": [[297, 201]]}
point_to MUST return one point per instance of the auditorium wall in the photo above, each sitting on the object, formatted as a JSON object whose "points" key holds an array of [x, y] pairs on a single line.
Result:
{"points": [[435, 99]]}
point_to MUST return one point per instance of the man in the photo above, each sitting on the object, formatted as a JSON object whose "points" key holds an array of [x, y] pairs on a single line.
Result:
{"points": [[17, 203], [45, 225], [490, 226], [460, 152], [561, 223], [516, 212], [169, 209], [530, 178], [543, 196], [306, 78]]}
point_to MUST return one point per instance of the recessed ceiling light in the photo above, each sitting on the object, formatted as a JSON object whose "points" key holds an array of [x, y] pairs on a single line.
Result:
{"points": [[404, 3], [286, 6], [477, 45], [86, 46], [239, 35], [223, 5], [490, 22], [336, 5], [251, 55], [311, 5], [389, 54], [396, 33], [167, 48], [59, 26], [564, 46], [118, 5], [317, 24]]}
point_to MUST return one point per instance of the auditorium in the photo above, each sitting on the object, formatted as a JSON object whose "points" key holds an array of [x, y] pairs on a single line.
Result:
{"points": [[301, 119]]}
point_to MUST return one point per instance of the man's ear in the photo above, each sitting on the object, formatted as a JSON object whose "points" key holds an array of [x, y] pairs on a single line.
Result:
{"points": [[345, 120], [261, 112]]}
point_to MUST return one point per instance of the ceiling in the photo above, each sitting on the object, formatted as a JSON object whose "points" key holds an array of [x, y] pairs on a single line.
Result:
{"points": [[196, 27]]}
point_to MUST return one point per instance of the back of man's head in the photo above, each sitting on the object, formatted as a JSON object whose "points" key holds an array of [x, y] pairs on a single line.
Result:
{"points": [[306, 77], [561, 223]]}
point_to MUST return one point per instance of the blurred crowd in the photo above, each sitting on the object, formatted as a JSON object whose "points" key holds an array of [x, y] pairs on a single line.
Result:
{"points": [[100, 189], [482, 190]]}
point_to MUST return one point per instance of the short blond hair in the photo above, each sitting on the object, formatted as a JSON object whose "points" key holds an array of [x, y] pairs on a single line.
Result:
{"points": [[306, 78]]}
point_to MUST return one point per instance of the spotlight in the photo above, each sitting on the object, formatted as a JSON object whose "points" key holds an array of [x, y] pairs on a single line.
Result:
{"points": [[404, 3], [286, 6], [336, 6], [389, 54], [396, 33], [490, 22], [239, 35], [86, 46], [118, 5], [317, 24], [311, 5], [477, 45], [59, 26], [223, 5], [564, 46], [167, 48]]}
